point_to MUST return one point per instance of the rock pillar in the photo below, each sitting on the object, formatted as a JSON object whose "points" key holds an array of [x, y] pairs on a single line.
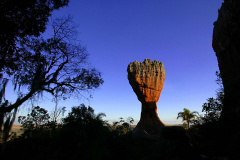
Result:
{"points": [[147, 80]]}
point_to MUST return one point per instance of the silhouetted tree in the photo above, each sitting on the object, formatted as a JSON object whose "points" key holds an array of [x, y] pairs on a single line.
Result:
{"points": [[82, 116], [213, 106], [186, 115], [207, 130], [122, 127], [5, 130], [130, 121], [213, 110], [56, 65], [82, 123], [37, 117], [57, 114], [21, 19], [121, 120]]}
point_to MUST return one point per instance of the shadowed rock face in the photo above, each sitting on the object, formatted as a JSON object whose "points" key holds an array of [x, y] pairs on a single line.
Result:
{"points": [[147, 80], [226, 44]]}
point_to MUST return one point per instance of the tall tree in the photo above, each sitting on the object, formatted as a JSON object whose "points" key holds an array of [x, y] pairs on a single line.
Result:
{"points": [[186, 115], [20, 19], [213, 106], [56, 65]]}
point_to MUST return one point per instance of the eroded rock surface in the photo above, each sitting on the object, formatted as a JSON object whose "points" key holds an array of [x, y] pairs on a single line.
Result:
{"points": [[147, 80], [226, 44]]}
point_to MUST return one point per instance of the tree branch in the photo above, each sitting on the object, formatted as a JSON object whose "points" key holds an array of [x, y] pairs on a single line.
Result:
{"points": [[18, 103]]}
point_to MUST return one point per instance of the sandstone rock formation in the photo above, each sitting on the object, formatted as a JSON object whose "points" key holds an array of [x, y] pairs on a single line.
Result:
{"points": [[226, 44], [147, 80]]}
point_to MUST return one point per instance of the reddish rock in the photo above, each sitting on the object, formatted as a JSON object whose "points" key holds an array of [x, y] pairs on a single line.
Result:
{"points": [[147, 80]]}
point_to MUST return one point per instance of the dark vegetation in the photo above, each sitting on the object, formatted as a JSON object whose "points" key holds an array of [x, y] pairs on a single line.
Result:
{"points": [[206, 133], [186, 115], [35, 65], [56, 65], [84, 135]]}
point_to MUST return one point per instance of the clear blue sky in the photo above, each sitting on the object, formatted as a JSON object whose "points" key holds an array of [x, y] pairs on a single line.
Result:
{"points": [[175, 32]]}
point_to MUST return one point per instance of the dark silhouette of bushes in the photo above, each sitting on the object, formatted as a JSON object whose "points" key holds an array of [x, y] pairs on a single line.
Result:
{"points": [[206, 134], [80, 135], [84, 135]]}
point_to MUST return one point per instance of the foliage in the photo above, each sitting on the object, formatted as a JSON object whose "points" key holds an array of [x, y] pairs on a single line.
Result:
{"points": [[186, 115], [21, 19], [57, 114], [3, 102], [213, 110], [85, 135], [81, 130], [55, 65], [185, 125], [38, 117], [5, 118], [5, 130], [82, 116], [121, 127], [206, 133], [213, 106]]}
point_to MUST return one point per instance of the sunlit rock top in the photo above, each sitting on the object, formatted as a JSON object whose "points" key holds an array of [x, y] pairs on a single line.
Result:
{"points": [[147, 79]]}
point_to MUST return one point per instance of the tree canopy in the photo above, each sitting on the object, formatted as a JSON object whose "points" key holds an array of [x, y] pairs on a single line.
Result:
{"points": [[187, 115], [36, 64], [56, 65], [21, 19]]}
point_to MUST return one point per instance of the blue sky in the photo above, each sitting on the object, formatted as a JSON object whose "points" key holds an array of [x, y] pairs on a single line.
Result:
{"points": [[175, 32]]}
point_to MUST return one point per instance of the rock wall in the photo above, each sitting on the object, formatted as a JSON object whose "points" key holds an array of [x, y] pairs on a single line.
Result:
{"points": [[226, 44]]}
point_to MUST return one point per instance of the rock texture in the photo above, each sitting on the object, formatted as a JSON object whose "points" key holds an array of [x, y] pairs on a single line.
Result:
{"points": [[226, 44], [147, 80]]}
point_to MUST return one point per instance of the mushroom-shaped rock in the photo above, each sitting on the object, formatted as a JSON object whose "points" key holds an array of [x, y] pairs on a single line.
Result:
{"points": [[147, 80]]}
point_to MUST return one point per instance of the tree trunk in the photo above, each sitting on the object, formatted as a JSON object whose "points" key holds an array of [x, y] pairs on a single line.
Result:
{"points": [[188, 122]]}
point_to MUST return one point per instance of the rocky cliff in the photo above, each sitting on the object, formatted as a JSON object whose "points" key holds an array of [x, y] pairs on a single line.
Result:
{"points": [[226, 44]]}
